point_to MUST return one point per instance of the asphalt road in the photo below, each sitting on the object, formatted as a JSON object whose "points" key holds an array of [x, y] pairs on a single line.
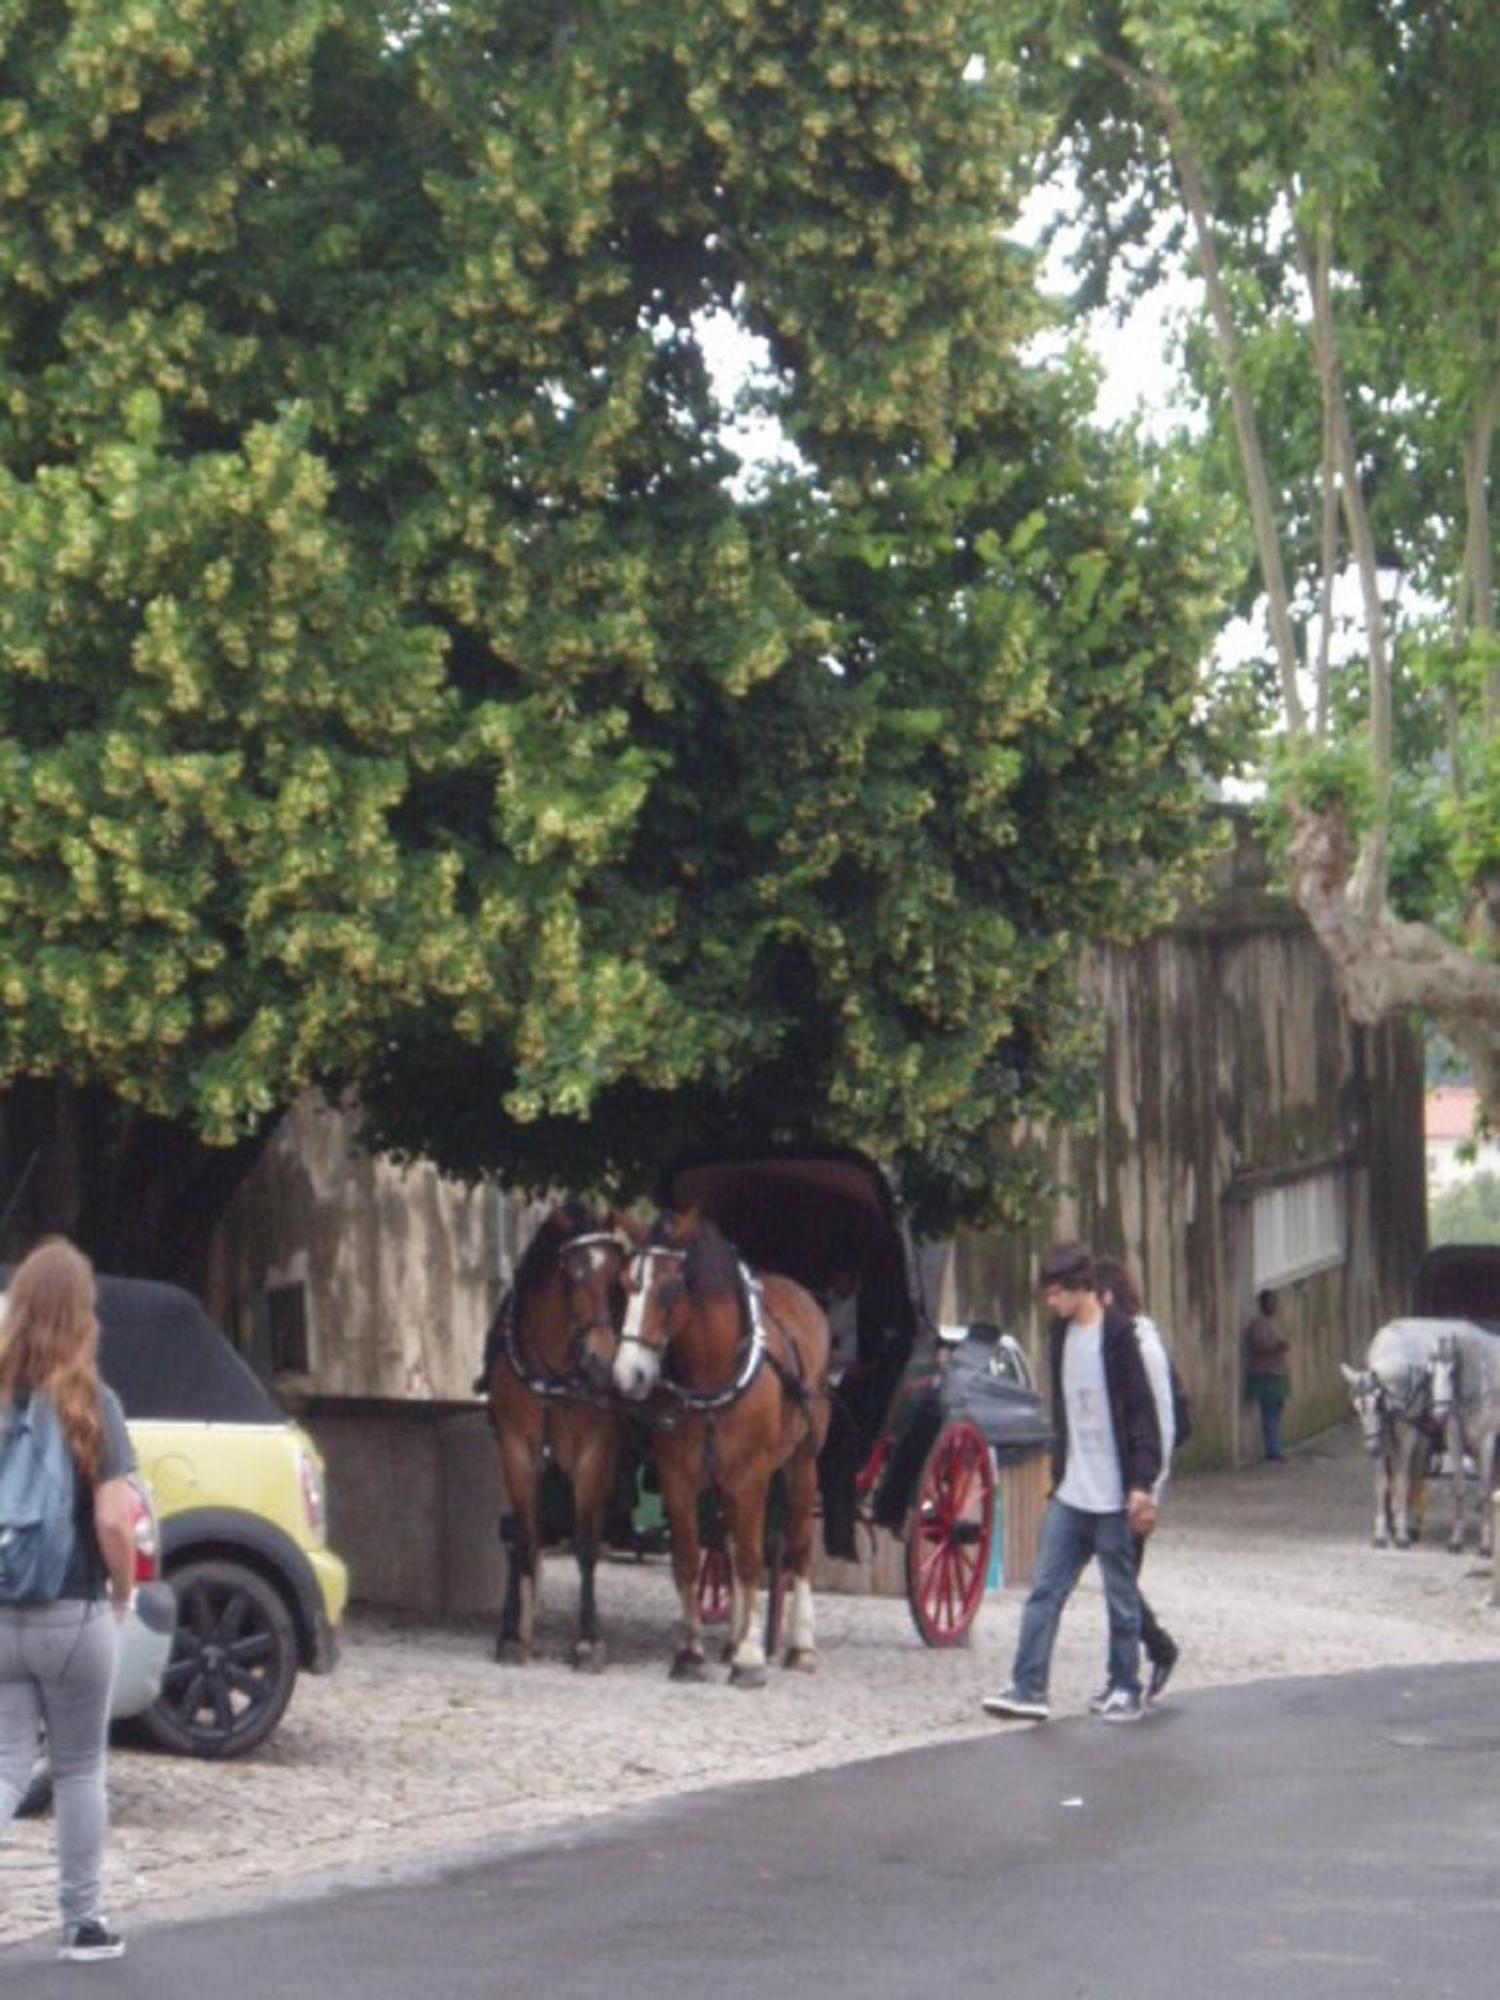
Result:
{"points": [[1293, 1839]]}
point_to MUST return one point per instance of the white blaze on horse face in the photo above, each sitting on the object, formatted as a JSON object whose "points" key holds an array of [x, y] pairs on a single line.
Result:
{"points": [[636, 1365]]}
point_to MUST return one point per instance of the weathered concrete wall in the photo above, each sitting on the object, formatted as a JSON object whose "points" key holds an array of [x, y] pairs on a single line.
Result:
{"points": [[401, 1268], [1229, 1067]]}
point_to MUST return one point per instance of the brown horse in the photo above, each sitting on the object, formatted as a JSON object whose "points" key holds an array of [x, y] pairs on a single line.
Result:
{"points": [[739, 1365], [546, 1372]]}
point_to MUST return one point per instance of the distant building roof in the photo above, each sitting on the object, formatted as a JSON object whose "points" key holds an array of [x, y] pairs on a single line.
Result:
{"points": [[1450, 1111]]}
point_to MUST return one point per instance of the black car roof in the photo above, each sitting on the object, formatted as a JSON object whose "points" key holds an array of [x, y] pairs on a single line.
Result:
{"points": [[164, 1357]]}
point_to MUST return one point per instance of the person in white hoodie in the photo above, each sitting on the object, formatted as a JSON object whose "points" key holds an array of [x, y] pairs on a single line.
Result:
{"points": [[1117, 1287]]}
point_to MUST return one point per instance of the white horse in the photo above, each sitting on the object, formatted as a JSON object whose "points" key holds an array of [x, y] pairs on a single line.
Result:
{"points": [[1472, 1358], [1403, 1397]]}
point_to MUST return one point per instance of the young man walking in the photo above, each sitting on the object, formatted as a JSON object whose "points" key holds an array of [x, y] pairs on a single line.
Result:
{"points": [[1106, 1460]]}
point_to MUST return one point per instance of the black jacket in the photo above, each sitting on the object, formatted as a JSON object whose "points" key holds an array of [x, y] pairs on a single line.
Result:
{"points": [[1131, 1403]]}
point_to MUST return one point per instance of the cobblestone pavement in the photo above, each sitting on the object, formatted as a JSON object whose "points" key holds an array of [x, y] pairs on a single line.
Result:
{"points": [[420, 1743]]}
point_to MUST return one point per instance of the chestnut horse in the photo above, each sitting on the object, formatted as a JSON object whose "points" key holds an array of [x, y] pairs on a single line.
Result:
{"points": [[740, 1366], [546, 1372]]}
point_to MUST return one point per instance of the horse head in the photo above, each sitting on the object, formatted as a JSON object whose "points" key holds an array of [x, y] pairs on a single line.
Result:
{"points": [[1367, 1393], [656, 1298], [570, 1292]]}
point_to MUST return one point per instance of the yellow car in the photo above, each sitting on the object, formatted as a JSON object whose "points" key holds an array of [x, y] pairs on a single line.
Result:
{"points": [[239, 1497]]}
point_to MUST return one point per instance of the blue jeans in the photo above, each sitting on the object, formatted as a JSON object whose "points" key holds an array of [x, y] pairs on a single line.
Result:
{"points": [[1069, 1537], [1270, 1424]]}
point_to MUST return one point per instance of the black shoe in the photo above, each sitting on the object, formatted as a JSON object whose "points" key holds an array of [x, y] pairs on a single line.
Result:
{"points": [[91, 1939], [1161, 1673]]}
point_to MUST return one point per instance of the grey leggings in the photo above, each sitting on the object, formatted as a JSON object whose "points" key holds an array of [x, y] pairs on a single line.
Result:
{"points": [[57, 1664]]}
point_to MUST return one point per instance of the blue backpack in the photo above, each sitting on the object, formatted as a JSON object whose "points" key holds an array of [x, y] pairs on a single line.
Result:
{"points": [[36, 1502]]}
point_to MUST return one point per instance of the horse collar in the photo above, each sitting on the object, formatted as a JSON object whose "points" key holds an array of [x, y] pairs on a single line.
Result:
{"points": [[753, 1349]]}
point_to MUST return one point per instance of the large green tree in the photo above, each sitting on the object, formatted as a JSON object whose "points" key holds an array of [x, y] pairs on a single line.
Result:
{"points": [[1332, 170], [404, 688]]}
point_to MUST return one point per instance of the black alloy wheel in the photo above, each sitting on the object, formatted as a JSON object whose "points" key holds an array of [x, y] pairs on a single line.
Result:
{"points": [[233, 1664]]}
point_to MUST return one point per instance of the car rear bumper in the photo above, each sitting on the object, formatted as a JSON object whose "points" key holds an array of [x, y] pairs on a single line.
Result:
{"points": [[331, 1576]]}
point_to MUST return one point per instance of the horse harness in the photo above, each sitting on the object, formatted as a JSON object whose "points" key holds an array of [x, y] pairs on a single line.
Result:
{"points": [[548, 1385], [753, 1353]]}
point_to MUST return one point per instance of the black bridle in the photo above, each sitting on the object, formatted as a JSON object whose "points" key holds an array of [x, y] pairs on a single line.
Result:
{"points": [[572, 1386], [749, 1354]]}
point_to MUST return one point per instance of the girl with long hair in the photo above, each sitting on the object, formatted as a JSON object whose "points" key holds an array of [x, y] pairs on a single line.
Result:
{"points": [[57, 1659]]}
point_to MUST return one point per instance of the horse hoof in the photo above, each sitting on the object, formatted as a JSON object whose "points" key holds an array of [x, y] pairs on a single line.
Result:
{"points": [[747, 1677], [1379, 1542], [1456, 1547], [590, 1656], [801, 1660], [512, 1653], [689, 1666]]}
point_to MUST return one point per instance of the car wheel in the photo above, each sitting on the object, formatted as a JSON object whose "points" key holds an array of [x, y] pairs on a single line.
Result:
{"points": [[233, 1664]]}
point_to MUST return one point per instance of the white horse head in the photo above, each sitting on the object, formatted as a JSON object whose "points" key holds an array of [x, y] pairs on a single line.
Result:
{"points": [[1367, 1393]]}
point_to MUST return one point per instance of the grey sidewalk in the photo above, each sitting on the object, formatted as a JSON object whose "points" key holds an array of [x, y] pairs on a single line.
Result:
{"points": [[1298, 1838]]}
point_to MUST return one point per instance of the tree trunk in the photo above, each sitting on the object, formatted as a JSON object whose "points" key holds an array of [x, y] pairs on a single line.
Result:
{"points": [[1257, 481], [1371, 867]]}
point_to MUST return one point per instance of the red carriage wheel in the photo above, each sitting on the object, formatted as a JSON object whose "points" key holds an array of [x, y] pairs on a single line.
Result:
{"points": [[949, 1534], [715, 1586]]}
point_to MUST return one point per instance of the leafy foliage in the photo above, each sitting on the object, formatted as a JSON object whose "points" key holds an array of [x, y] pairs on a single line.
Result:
{"points": [[402, 687], [1331, 166], [1466, 1212]]}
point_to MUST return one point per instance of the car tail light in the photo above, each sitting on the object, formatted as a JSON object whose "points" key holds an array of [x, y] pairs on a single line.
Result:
{"points": [[312, 1494], [147, 1554]]}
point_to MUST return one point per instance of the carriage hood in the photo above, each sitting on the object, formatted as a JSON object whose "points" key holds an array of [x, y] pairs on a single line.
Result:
{"points": [[799, 1212]]}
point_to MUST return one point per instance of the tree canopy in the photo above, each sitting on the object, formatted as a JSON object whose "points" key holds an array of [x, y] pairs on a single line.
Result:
{"points": [[404, 688], [1332, 170]]}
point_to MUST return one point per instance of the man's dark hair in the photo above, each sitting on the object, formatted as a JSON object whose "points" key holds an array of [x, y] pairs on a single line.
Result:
{"points": [[1068, 1265], [1111, 1276], [1267, 1302]]}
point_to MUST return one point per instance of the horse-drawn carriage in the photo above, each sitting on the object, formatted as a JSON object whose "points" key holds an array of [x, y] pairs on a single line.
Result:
{"points": [[699, 1342]]}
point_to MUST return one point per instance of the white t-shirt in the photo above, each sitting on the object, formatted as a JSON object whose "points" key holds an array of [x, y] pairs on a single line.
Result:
{"points": [[1159, 1375], [1091, 1482]]}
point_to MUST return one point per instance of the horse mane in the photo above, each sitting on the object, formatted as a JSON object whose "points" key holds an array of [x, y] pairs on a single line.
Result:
{"points": [[713, 1264], [539, 1259]]}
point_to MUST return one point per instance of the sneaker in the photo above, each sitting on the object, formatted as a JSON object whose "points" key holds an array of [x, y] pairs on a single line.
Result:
{"points": [[92, 1939], [1120, 1705], [1161, 1673], [1096, 1702], [1014, 1707]]}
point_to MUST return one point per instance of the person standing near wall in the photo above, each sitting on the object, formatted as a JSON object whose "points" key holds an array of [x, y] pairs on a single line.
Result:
{"points": [[1117, 1288], [1105, 1464], [57, 1658], [1268, 1375]]}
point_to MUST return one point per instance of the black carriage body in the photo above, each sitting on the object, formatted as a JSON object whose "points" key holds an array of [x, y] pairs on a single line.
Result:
{"points": [[960, 1381]]}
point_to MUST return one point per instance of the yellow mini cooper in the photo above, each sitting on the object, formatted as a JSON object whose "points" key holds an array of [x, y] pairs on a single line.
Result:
{"points": [[238, 1490]]}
